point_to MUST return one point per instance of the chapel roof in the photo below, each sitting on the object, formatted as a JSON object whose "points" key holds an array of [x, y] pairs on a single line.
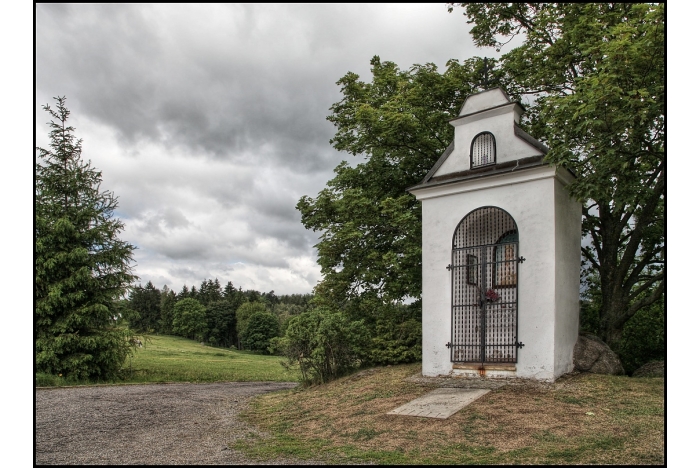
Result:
{"points": [[481, 102]]}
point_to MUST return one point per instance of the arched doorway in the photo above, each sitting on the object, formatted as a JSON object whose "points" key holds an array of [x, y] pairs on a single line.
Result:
{"points": [[485, 288]]}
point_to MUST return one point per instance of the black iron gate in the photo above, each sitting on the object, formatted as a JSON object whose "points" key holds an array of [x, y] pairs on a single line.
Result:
{"points": [[485, 288]]}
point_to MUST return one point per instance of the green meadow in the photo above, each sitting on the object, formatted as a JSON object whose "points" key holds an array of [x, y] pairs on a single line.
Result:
{"points": [[176, 359]]}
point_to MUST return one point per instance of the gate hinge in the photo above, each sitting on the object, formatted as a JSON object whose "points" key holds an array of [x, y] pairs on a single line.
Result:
{"points": [[449, 345], [519, 344], [449, 267], [521, 259]]}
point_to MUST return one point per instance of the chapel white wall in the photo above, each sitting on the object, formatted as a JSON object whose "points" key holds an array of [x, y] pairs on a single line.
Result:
{"points": [[532, 206], [568, 266], [500, 122], [484, 100]]}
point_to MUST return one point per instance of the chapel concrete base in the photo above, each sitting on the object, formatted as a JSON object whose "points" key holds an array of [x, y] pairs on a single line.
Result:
{"points": [[496, 372], [489, 371], [441, 403]]}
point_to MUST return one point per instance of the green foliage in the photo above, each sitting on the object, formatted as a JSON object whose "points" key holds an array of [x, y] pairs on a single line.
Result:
{"points": [[597, 72], [644, 338], [245, 311], [42, 379], [96, 353], [81, 265], [121, 313], [285, 312], [370, 244], [370, 227], [252, 295], [184, 293], [396, 336], [233, 295], [301, 300], [167, 307], [221, 323], [260, 329], [189, 318], [146, 301], [325, 344], [209, 292]]}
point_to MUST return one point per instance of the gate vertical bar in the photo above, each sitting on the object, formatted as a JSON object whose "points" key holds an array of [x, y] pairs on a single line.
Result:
{"points": [[483, 305], [452, 304]]}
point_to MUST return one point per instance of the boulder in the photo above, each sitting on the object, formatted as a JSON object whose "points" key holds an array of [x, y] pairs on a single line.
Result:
{"points": [[651, 369], [591, 354]]}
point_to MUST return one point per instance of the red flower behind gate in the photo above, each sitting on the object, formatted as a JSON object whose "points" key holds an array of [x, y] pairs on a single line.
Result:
{"points": [[492, 295]]}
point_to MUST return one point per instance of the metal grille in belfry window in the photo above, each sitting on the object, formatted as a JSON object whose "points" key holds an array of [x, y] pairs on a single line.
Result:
{"points": [[484, 288], [483, 150]]}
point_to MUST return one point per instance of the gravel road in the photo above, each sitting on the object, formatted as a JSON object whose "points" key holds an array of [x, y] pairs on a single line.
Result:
{"points": [[146, 424]]}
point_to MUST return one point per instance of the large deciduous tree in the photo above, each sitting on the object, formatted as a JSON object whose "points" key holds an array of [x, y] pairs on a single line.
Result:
{"points": [[260, 329], [596, 73], [243, 314], [81, 266], [370, 244], [190, 319]]}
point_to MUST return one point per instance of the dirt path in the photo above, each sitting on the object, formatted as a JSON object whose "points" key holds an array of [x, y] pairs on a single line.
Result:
{"points": [[146, 424]]}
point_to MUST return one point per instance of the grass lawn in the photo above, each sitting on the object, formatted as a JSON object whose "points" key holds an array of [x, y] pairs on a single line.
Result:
{"points": [[175, 359], [582, 419]]}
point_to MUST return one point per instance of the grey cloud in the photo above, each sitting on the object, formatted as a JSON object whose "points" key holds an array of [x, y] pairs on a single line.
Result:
{"points": [[168, 219], [173, 218], [183, 250], [191, 276], [209, 121], [220, 99]]}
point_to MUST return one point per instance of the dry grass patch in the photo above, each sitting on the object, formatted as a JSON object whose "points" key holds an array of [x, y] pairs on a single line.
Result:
{"points": [[580, 419]]}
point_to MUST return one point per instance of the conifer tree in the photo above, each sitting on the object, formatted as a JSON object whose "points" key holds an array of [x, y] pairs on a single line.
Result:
{"points": [[216, 292], [167, 304], [203, 293], [230, 293], [184, 293], [146, 301], [81, 267]]}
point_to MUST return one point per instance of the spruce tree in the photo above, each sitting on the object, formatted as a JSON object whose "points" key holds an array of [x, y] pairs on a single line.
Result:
{"points": [[203, 294], [146, 301], [167, 303], [215, 291], [184, 293], [232, 294], [81, 266]]}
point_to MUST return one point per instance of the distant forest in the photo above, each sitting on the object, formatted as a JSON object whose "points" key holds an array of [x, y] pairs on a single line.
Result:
{"points": [[217, 317]]}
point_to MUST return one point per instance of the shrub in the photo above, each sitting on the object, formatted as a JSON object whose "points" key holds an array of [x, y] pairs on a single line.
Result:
{"points": [[643, 338], [260, 329], [324, 343], [397, 343], [99, 355]]}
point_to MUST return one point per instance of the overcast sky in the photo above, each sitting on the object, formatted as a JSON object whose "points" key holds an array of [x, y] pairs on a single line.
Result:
{"points": [[209, 121]]}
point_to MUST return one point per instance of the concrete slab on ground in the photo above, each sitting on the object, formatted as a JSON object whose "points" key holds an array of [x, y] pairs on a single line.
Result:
{"points": [[441, 403]]}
